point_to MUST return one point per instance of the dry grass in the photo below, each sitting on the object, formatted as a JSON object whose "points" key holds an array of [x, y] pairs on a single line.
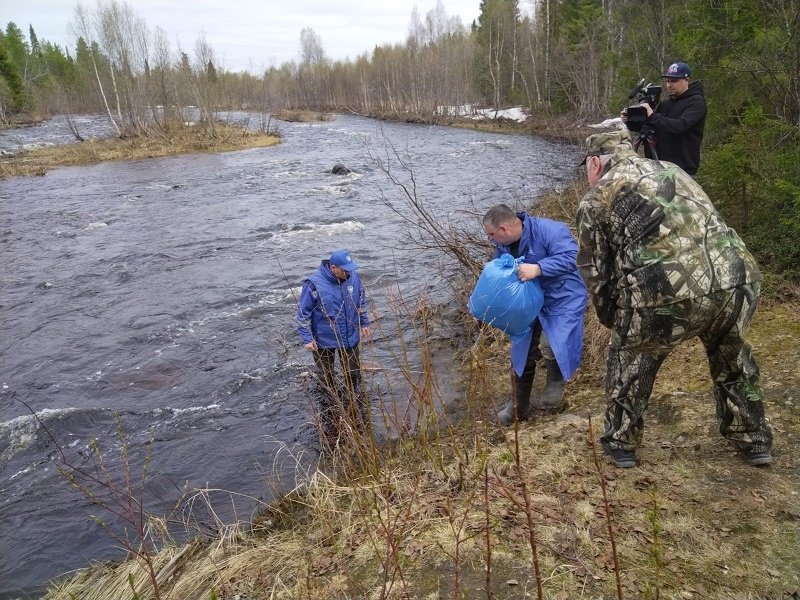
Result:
{"points": [[302, 116], [691, 521], [186, 140]]}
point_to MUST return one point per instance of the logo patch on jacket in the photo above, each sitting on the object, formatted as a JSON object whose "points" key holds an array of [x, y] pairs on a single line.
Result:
{"points": [[350, 289]]}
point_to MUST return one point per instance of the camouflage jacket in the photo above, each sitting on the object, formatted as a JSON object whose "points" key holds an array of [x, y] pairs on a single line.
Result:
{"points": [[649, 236]]}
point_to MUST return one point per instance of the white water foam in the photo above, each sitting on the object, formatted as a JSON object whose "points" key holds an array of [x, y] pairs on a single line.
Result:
{"points": [[492, 143], [285, 174], [313, 230], [334, 190], [95, 225], [21, 431], [278, 296], [188, 410]]}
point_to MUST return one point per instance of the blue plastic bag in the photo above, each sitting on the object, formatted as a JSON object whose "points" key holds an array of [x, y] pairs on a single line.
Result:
{"points": [[503, 301]]}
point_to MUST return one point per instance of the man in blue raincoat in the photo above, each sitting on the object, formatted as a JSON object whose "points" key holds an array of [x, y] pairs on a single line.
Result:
{"points": [[548, 251], [332, 317]]}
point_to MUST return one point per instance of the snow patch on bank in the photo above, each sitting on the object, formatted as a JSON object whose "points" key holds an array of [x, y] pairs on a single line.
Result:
{"points": [[469, 111]]}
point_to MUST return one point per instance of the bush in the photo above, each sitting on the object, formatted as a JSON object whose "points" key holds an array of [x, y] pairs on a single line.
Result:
{"points": [[754, 181]]}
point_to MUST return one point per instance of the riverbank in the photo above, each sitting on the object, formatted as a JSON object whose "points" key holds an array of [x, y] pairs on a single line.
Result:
{"points": [[560, 128], [691, 521], [224, 137]]}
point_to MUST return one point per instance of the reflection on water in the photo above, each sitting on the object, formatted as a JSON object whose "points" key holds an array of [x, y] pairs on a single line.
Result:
{"points": [[164, 291]]}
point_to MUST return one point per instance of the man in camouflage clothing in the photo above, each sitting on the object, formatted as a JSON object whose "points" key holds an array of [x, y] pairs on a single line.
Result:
{"points": [[661, 267]]}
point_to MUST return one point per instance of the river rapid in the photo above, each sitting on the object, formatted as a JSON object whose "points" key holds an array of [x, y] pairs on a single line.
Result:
{"points": [[160, 294]]}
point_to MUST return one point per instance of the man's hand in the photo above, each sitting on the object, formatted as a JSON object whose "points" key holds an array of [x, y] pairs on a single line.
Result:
{"points": [[527, 271], [312, 345], [647, 108], [365, 333]]}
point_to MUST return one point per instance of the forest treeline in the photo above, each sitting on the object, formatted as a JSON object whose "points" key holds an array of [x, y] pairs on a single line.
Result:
{"points": [[564, 60]]}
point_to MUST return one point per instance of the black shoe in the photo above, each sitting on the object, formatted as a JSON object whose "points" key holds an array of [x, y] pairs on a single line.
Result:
{"points": [[758, 458], [624, 459]]}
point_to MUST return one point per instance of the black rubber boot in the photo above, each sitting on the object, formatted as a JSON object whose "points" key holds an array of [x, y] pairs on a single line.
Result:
{"points": [[521, 397], [553, 392]]}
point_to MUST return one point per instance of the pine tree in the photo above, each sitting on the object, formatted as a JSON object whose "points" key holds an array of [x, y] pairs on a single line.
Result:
{"points": [[10, 73]]}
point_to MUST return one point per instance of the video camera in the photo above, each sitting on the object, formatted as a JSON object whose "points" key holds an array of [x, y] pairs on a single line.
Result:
{"points": [[649, 93]]}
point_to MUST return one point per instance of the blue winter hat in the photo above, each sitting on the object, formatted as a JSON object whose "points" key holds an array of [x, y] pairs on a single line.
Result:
{"points": [[341, 259], [678, 70]]}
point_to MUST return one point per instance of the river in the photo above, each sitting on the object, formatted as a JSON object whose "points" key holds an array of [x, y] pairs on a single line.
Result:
{"points": [[161, 293]]}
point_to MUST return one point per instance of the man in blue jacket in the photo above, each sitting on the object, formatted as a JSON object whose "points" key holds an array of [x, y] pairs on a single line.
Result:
{"points": [[678, 122], [548, 251], [332, 317]]}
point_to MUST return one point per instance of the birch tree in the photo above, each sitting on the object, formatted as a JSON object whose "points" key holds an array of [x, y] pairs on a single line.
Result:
{"points": [[83, 29], [123, 36], [496, 60]]}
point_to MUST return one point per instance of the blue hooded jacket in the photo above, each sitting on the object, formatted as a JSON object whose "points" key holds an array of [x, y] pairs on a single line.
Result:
{"points": [[330, 311], [550, 244]]}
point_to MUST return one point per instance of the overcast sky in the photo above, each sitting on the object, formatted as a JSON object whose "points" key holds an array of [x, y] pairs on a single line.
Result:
{"points": [[249, 34]]}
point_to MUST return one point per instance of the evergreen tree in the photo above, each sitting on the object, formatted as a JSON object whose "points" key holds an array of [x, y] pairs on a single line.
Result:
{"points": [[58, 63], [17, 47], [35, 48], [10, 73], [583, 57]]}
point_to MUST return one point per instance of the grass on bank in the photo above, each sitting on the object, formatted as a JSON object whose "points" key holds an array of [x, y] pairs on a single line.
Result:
{"points": [[302, 116], [443, 517], [457, 507], [226, 137]]}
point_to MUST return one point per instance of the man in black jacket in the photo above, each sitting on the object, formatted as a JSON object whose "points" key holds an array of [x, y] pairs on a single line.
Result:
{"points": [[678, 121]]}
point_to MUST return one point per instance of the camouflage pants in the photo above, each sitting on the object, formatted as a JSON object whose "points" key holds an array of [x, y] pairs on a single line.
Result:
{"points": [[641, 340]]}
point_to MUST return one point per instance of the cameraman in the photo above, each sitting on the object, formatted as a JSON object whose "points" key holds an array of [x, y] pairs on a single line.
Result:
{"points": [[678, 121]]}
